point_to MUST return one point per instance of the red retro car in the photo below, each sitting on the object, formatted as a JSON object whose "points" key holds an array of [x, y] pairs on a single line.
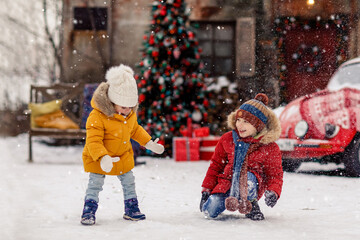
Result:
{"points": [[325, 126]]}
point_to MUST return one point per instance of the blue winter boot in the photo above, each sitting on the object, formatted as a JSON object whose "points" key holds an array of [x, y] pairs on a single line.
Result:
{"points": [[132, 211], [88, 216]]}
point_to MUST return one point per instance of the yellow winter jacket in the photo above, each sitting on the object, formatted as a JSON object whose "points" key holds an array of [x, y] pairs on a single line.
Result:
{"points": [[108, 133]]}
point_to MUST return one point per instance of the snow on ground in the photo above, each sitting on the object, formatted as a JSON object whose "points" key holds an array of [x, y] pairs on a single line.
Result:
{"points": [[44, 200]]}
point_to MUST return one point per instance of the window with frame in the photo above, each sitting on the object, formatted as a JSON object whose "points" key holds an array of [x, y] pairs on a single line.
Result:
{"points": [[90, 18], [217, 40]]}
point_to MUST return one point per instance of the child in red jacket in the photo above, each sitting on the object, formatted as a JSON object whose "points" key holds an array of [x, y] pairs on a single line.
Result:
{"points": [[246, 163]]}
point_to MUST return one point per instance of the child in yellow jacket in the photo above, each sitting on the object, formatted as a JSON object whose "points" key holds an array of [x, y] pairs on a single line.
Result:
{"points": [[108, 150]]}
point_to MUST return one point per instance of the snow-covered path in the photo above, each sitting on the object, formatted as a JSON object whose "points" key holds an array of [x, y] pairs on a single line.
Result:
{"points": [[44, 200]]}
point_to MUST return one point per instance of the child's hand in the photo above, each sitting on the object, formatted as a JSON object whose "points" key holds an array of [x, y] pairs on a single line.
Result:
{"points": [[154, 146], [204, 197], [106, 162], [270, 198]]}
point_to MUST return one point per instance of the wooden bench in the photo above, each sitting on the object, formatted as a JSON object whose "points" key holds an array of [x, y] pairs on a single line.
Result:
{"points": [[72, 99]]}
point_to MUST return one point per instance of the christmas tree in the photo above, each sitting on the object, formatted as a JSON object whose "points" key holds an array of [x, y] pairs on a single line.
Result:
{"points": [[171, 82]]}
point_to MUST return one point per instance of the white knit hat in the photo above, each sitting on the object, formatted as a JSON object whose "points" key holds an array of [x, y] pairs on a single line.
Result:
{"points": [[122, 86]]}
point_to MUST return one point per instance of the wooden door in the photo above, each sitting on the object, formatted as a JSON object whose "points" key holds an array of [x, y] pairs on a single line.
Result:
{"points": [[310, 58]]}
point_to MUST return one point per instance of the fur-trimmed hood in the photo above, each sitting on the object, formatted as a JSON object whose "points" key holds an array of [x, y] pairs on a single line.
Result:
{"points": [[269, 134], [101, 101]]}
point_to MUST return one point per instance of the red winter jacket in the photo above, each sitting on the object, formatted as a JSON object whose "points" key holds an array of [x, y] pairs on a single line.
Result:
{"points": [[264, 162]]}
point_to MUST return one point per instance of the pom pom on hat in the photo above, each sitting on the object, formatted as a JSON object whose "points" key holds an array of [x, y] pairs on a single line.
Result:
{"points": [[117, 75], [122, 86], [262, 98]]}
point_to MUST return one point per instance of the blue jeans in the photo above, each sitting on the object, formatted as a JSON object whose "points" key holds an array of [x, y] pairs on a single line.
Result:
{"points": [[216, 202], [96, 182]]}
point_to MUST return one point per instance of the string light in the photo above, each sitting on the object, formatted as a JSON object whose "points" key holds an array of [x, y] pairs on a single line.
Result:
{"points": [[310, 2]]}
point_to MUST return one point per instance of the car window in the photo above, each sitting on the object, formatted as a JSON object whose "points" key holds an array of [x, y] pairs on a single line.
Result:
{"points": [[346, 76]]}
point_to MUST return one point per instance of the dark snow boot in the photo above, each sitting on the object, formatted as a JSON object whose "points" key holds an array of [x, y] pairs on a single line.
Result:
{"points": [[132, 211], [88, 216], [255, 213]]}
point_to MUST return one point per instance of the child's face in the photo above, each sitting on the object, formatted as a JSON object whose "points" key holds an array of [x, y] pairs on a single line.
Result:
{"points": [[122, 110], [245, 128]]}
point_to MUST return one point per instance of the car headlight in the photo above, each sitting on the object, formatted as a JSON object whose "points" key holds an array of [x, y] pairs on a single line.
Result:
{"points": [[301, 128], [331, 130]]}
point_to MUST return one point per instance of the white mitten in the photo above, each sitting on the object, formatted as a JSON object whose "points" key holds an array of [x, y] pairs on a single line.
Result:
{"points": [[106, 162], [154, 146]]}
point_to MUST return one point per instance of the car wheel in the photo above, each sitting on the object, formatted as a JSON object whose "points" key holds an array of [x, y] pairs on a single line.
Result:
{"points": [[290, 165], [352, 157]]}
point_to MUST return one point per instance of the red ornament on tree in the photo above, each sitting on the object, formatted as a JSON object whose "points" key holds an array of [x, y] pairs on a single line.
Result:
{"points": [[191, 35], [155, 53], [206, 103], [151, 40], [163, 11], [177, 4], [142, 98]]}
